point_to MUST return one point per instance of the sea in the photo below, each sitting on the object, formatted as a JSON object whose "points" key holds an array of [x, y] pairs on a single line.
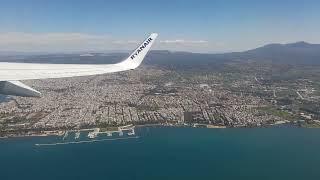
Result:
{"points": [[158, 153]]}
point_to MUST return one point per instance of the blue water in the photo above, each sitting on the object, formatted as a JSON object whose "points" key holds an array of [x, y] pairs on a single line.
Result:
{"points": [[170, 153]]}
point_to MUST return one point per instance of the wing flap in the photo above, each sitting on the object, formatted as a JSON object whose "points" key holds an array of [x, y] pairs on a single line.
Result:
{"points": [[17, 88]]}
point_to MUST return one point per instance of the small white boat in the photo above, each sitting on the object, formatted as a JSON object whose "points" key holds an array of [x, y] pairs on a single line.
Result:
{"points": [[92, 135], [77, 135], [132, 133]]}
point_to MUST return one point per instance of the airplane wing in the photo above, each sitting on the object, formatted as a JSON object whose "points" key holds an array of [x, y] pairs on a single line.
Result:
{"points": [[11, 73]]}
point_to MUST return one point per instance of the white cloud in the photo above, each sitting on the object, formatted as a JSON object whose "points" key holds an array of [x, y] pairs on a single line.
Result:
{"points": [[18, 41], [182, 41], [66, 42], [185, 45], [46, 38], [126, 42]]}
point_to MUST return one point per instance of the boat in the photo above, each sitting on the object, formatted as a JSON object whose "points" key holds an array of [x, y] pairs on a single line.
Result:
{"points": [[77, 135], [132, 133], [92, 135]]}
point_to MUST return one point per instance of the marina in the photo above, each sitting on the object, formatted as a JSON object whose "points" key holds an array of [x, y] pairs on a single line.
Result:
{"points": [[129, 130], [93, 135]]}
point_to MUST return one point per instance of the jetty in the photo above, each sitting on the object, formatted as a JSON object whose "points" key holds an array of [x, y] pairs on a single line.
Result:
{"points": [[91, 141]]}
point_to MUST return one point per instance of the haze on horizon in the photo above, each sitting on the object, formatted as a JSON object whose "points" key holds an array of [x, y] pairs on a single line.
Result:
{"points": [[196, 26]]}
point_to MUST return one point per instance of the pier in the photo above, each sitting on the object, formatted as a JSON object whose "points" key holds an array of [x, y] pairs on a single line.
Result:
{"points": [[91, 141]]}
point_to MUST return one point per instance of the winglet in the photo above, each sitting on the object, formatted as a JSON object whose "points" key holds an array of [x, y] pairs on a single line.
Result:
{"points": [[136, 58]]}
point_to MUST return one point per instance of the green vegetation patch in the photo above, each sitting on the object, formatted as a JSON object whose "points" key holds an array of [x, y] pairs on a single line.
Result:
{"points": [[277, 112], [310, 125]]}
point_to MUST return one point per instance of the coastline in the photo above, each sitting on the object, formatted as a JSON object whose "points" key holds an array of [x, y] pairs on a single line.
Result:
{"points": [[44, 134], [208, 126]]}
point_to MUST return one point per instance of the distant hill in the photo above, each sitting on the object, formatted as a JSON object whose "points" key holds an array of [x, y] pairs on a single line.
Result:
{"points": [[293, 53], [184, 59]]}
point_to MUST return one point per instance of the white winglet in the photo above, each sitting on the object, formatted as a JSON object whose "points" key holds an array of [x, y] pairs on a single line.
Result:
{"points": [[136, 58]]}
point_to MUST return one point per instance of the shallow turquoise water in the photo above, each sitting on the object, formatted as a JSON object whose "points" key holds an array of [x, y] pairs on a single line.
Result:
{"points": [[170, 153]]}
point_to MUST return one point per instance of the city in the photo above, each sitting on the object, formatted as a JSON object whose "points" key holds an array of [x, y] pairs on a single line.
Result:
{"points": [[154, 95]]}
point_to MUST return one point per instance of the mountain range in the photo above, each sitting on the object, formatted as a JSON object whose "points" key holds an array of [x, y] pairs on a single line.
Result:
{"points": [[294, 53]]}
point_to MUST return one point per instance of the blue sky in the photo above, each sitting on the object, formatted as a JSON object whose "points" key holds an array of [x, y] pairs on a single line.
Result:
{"points": [[189, 25]]}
